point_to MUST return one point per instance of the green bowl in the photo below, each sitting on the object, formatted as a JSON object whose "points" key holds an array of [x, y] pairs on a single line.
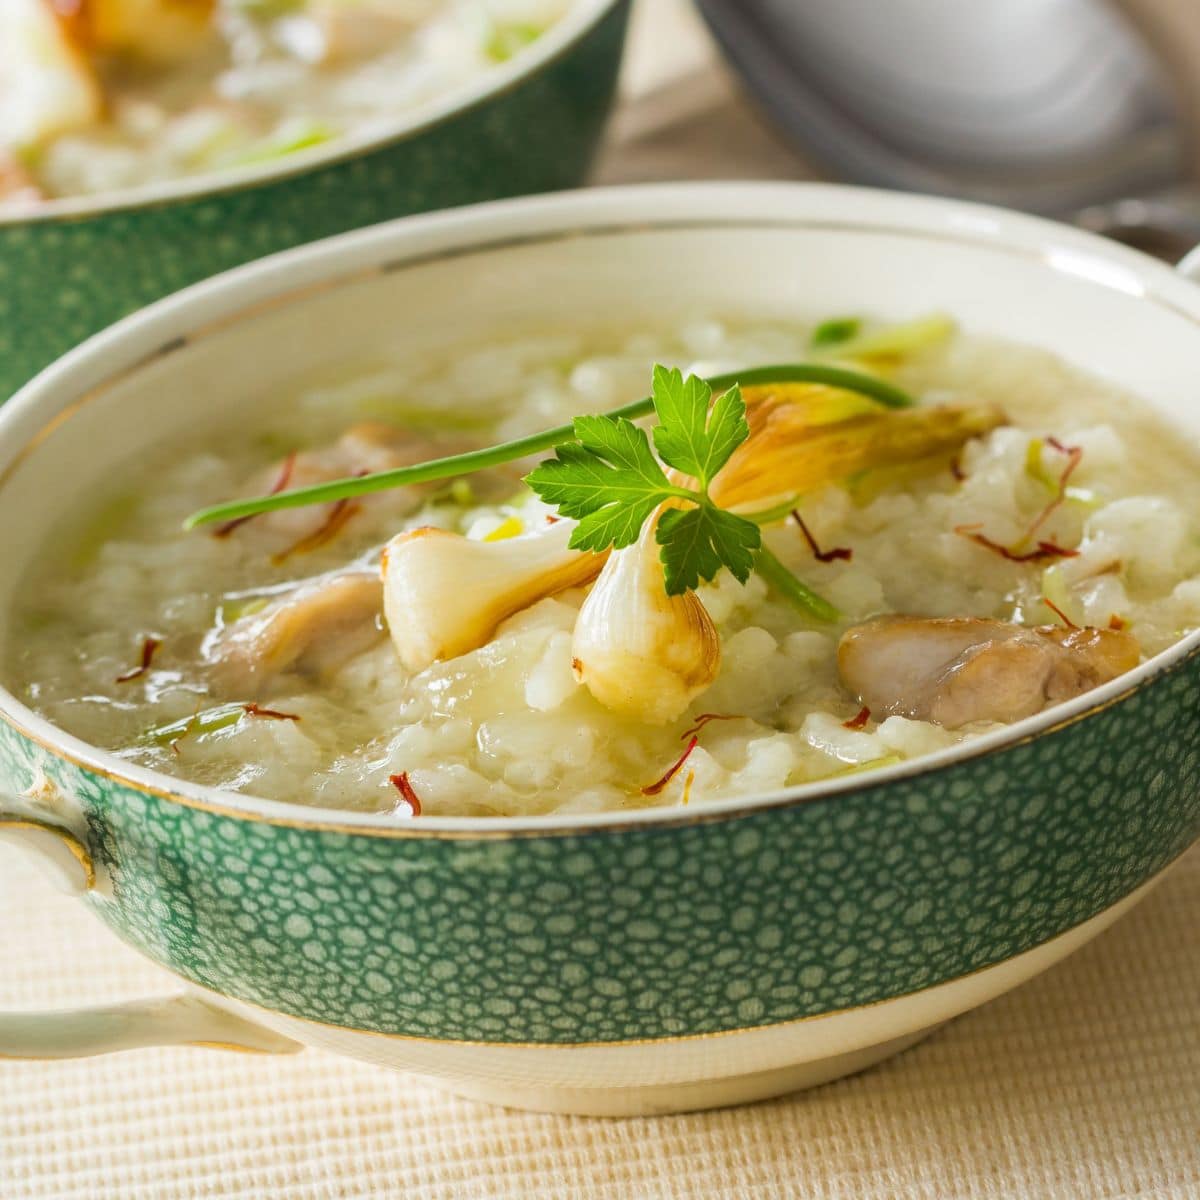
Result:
{"points": [[531, 125], [623, 962]]}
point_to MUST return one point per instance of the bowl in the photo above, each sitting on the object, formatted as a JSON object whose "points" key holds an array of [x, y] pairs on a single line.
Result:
{"points": [[72, 266], [631, 962]]}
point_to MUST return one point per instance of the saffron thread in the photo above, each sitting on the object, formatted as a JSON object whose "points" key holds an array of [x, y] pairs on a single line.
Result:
{"points": [[859, 720], [401, 784], [341, 513], [1044, 552], [687, 787], [149, 649], [826, 556], [272, 714], [704, 719], [1045, 549], [1058, 612], [282, 480], [657, 786]]}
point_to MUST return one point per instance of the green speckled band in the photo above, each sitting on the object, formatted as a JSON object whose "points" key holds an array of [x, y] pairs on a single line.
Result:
{"points": [[62, 280], [649, 931]]}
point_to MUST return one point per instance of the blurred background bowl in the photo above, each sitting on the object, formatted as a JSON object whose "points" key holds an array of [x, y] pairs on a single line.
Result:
{"points": [[73, 266], [1085, 110]]}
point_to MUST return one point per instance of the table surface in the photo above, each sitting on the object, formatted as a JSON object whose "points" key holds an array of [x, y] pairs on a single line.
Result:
{"points": [[1084, 1083]]}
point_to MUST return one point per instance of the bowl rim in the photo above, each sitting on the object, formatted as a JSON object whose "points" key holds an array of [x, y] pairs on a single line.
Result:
{"points": [[479, 229], [571, 29]]}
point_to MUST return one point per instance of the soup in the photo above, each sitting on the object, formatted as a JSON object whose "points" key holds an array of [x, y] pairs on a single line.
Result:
{"points": [[1021, 535], [100, 95]]}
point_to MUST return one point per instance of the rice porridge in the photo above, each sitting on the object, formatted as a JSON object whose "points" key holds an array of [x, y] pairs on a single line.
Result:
{"points": [[432, 649]]}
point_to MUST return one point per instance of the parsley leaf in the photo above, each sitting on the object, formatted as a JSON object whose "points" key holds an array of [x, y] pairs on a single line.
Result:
{"points": [[697, 542], [613, 525], [609, 481], [688, 437]]}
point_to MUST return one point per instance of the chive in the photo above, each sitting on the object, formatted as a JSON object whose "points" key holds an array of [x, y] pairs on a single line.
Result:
{"points": [[293, 137], [898, 340], [1034, 467], [873, 764], [770, 516], [505, 41], [233, 609], [831, 332], [208, 721], [871, 386], [798, 594], [459, 492], [876, 389]]}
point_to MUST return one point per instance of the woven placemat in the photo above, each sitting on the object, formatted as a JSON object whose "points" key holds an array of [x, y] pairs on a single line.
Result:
{"points": [[1084, 1083]]}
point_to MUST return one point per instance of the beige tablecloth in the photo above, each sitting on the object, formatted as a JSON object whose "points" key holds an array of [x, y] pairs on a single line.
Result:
{"points": [[1083, 1084]]}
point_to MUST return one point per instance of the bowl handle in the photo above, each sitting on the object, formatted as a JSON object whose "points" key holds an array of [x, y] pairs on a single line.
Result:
{"points": [[177, 1020]]}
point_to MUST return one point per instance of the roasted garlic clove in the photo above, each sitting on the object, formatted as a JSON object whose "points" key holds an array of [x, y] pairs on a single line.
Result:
{"points": [[640, 652], [444, 594]]}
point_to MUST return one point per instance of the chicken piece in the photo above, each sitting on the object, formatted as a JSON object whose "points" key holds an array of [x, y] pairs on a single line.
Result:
{"points": [[158, 31], [47, 86], [362, 450], [323, 622], [956, 670]]}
